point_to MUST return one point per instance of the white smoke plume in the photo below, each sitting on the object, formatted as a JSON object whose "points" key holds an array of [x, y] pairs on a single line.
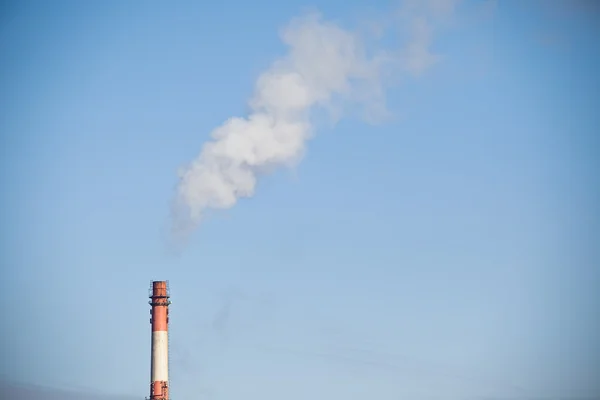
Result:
{"points": [[326, 67]]}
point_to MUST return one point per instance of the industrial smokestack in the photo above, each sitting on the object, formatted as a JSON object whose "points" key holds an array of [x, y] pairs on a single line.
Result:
{"points": [[159, 369]]}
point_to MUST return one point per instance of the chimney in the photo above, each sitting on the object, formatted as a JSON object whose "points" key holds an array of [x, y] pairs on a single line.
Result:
{"points": [[159, 364]]}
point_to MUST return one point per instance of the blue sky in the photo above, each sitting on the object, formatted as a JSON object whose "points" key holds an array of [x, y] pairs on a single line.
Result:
{"points": [[444, 253]]}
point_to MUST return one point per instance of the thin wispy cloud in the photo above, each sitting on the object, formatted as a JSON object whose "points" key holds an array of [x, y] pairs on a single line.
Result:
{"points": [[21, 391]]}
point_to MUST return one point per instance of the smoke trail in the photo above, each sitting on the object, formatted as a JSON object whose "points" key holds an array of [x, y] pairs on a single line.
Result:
{"points": [[325, 64], [326, 67]]}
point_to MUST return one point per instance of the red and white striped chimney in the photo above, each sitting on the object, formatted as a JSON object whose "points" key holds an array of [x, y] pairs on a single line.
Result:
{"points": [[159, 369]]}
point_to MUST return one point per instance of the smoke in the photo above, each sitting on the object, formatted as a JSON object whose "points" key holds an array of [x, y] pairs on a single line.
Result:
{"points": [[326, 67]]}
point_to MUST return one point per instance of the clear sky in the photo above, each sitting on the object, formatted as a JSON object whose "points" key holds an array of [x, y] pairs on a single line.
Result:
{"points": [[446, 252]]}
